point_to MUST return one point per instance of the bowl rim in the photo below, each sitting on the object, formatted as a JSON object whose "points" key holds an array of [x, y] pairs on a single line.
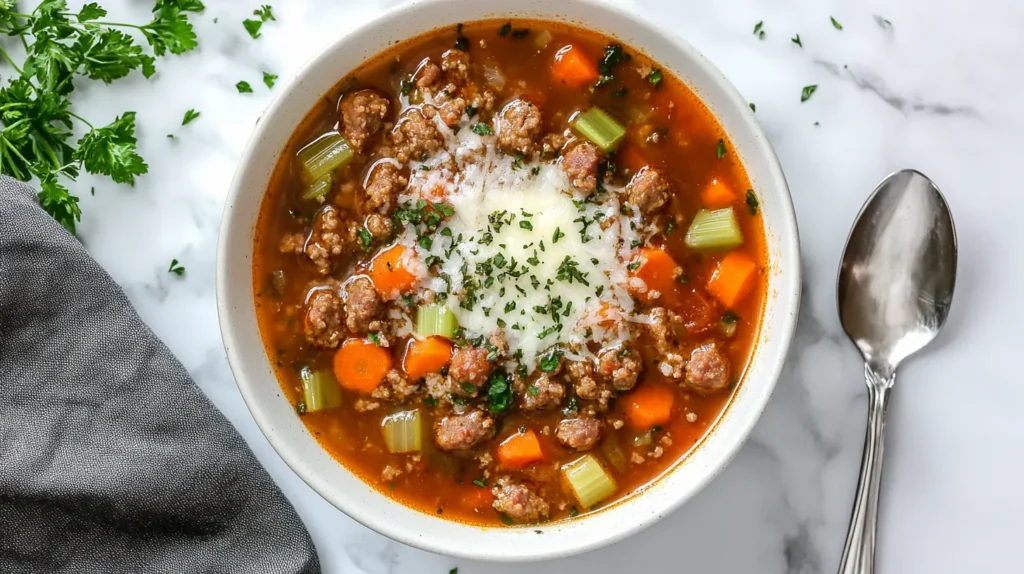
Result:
{"points": [[787, 297]]}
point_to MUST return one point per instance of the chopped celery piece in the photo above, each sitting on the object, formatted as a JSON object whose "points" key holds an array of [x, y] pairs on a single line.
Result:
{"points": [[613, 452], [436, 319], [402, 431], [716, 229], [319, 390], [319, 189], [600, 128], [588, 480], [323, 156]]}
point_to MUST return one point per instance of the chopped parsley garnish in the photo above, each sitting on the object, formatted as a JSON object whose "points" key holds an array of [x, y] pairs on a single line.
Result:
{"points": [[752, 203], [534, 391], [655, 77], [482, 484], [753, 108], [461, 42], [835, 23], [499, 392], [482, 129], [670, 227], [573, 513], [550, 362], [759, 30], [269, 79], [599, 290], [720, 149], [613, 56], [406, 86], [507, 520], [300, 408], [526, 225], [520, 33], [471, 111], [374, 338], [796, 40], [425, 242], [633, 266], [365, 238], [557, 235], [469, 388], [252, 25], [807, 92], [176, 268], [518, 161], [189, 116], [505, 29], [243, 87]]}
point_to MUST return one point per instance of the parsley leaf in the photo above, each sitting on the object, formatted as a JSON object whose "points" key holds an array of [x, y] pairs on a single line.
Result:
{"points": [[655, 77], [110, 150], [176, 268], [243, 87], [796, 40], [752, 203], [759, 30], [835, 23], [807, 92], [499, 393], [720, 149], [252, 26], [269, 79], [189, 116], [505, 29], [482, 129]]}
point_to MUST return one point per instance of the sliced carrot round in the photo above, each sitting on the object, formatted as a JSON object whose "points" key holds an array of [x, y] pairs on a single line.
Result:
{"points": [[360, 365]]}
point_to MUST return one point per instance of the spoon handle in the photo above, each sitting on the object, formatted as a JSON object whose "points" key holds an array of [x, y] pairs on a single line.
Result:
{"points": [[859, 553]]}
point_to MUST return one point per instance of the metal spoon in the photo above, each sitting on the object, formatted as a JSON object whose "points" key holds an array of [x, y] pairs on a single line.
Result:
{"points": [[895, 287]]}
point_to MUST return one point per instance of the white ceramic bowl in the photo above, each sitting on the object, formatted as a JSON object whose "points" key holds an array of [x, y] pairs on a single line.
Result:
{"points": [[276, 417]]}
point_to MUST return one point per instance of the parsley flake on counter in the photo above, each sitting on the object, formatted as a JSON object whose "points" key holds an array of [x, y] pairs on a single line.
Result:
{"points": [[807, 92], [252, 26], [269, 79], [753, 107], [759, 30], [176, 268], [835, 23], [189, 116], [796, 40], [243, 87]]}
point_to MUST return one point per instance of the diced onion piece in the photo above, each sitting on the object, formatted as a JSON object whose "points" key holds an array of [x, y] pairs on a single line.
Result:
{"points": [[324, 156], [588, 480], [319, 390], [716, 229], [600, 128], [436, 319], [494, 77], [319, 189], [403, 431], [728, 324], [543, 38]]}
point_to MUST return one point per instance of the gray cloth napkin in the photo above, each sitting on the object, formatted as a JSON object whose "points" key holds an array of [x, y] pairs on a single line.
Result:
{"points": [[111, 459]]}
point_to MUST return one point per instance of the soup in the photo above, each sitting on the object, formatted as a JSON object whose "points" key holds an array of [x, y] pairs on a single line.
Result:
{"points": [[509, 272]]}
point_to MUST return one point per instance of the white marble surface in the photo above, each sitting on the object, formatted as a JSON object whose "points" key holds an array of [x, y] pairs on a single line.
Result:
{"points": [[939, 91]]}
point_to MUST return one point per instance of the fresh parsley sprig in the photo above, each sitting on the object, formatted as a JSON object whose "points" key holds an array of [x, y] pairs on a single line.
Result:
{"points": [[35, 106]]}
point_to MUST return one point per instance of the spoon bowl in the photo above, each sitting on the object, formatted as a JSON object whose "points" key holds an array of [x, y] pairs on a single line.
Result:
{"points": [[894, 291], [898, 270]]}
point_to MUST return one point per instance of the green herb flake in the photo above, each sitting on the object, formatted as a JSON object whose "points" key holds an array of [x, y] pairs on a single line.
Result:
{"points": [[269, 79], [374, 338], [720, 149], [752, 203], [807, 92], [523, 224], [759, 30], [796, 40], [243, 87], [300, 408], [655, 77], [365, 238], [507, 520], [835, 23], [753, 108], [482, 129], [189, 117], [471, 111], [176, 268], [505, 29]]}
